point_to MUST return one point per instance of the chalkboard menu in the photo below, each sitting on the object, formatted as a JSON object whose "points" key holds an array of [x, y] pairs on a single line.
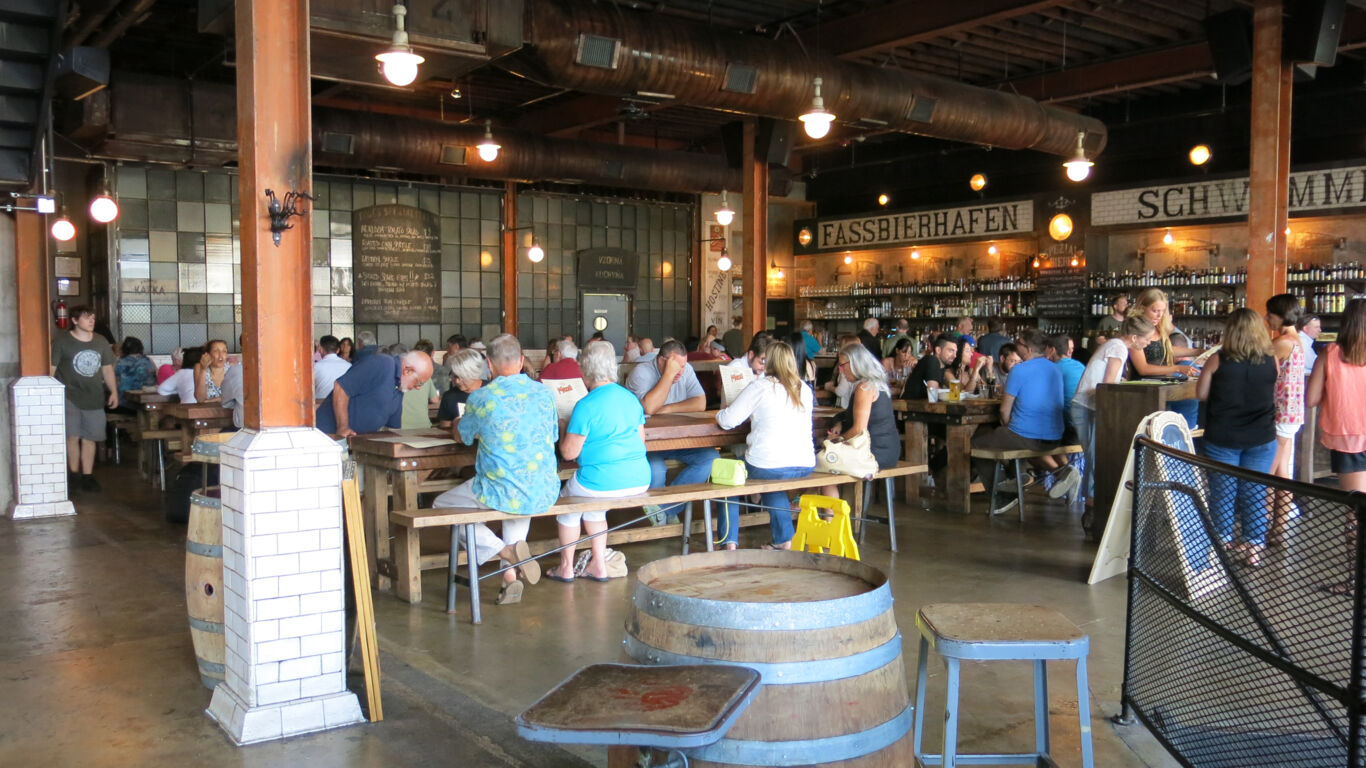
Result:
{"points": [[607, 268], [397, 265], [1060, 292]]}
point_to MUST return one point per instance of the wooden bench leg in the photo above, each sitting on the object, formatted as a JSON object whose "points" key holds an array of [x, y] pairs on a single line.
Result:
{"points": [[408, 565], [473, 560]]}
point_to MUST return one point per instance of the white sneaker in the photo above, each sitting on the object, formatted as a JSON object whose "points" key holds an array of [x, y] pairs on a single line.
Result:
{"points": [[1009, 506], [1068, 478]]}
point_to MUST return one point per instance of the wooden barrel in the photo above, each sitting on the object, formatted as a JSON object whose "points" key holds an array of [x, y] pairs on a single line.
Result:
{"points": [[819, 629], [205, 447], [204, 583]]}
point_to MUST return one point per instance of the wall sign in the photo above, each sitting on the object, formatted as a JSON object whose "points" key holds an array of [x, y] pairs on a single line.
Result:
{"points": [[1060, 292], [607, 268], [888, 229], [397, 260], [1226, 198]]}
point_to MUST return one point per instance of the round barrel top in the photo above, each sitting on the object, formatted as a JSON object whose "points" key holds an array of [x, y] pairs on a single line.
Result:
{"points": [[205, 447], [761, 584]]}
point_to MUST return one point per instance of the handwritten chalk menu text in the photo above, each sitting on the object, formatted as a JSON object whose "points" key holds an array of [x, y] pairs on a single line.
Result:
{"points": [[1060, 292], [397, 265]]}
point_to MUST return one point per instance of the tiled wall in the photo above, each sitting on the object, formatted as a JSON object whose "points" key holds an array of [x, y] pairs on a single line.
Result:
{"points": [[177, 269]]}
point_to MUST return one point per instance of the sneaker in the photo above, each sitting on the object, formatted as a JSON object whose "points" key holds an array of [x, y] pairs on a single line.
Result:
{"points": [[1068, 478], [1009, 506], [89, 483], [656, 514]]}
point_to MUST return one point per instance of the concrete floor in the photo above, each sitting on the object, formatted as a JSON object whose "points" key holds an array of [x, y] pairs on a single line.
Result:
{"points": [[98, 668]]}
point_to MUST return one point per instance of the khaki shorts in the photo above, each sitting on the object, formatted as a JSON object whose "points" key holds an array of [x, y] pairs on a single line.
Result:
{"points": [[87, 425]]}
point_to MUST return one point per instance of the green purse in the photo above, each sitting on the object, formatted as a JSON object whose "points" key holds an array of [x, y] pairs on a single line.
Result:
{"points": [[728, 472]]}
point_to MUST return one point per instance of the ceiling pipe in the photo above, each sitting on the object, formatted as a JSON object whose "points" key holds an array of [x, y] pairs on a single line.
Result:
{"points": [[127, 15], [697, 65], [89, 22]]}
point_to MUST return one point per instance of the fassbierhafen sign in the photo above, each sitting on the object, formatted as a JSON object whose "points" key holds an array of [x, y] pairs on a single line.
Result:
{"points": [[888, 229], [1226, 198]]}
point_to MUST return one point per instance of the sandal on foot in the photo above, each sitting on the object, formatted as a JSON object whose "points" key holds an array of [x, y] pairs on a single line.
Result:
{"points": [[599, 579], [554, 576], [531, 569], [510, 594]]}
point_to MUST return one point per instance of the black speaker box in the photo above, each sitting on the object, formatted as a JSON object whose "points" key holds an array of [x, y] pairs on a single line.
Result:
{"points": [[1230, 43], [773, 141], [1313, 31]]}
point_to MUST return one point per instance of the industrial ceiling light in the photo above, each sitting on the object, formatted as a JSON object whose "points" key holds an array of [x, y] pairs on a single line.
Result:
{"points": [[62, 228], [535, 253], [1199, 154], [817, 120], [1078, 168], [723, 263], [1167, 238], [399, 63], [993, 250], [883, 199], [724, 214], [488, 148], [978, 182], [104, 208]]}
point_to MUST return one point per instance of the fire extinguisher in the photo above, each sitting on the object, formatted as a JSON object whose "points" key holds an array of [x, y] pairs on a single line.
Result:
{"points": [[59, 313]]}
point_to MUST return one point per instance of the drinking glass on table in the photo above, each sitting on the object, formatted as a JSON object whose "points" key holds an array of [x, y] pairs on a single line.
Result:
{"points": [[955, 391]]}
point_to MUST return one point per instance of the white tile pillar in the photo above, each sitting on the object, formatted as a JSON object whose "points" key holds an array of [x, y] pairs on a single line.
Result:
{"points": [[284, 618], [39, 419]]}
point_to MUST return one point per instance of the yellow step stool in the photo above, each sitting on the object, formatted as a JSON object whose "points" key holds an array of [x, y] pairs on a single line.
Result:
{"points": [[834, 536]]}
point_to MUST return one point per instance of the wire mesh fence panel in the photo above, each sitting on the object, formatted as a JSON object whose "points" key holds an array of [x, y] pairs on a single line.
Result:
{"points": [[1245, 629]]}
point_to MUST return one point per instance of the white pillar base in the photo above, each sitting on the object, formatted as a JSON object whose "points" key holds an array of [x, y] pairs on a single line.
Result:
{"points": [[38, 404], [283, 598]]}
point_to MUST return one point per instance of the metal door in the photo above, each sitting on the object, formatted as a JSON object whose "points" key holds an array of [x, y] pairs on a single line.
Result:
{"points": [[609, 313]]}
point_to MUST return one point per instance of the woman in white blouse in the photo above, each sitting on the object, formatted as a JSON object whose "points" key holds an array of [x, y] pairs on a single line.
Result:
{"points": [[778, 407], [182, 381]]}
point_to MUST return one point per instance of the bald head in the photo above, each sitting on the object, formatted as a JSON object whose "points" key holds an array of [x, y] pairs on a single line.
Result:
{"points": [[414, 369]]}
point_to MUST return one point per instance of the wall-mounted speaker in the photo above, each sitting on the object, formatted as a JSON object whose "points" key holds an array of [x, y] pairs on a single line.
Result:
{"points": [[1313, 31]]}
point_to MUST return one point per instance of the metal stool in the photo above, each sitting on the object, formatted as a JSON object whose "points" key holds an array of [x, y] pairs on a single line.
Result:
{"points": [[890, 521], [999, 632]]}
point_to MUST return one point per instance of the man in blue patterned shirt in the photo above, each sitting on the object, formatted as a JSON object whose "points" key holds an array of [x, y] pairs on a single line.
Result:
{"points": [[513, 421]]}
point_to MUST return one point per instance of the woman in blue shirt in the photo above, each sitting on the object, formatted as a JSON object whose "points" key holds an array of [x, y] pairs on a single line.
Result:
{"points": [[606, 436], [133, 370]]}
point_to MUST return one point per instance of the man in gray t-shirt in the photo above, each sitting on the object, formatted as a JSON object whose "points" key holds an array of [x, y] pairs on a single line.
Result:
{"points": [[668, 384], [84, 363]]}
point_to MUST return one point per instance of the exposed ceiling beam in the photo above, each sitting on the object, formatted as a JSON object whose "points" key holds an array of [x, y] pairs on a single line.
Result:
{"points": [[569, 116], [912, 21]]}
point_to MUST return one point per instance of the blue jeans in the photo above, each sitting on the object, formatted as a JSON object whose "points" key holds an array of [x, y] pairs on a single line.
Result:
{"points": [[1188, 409], [1084, 422], [1251, 504], [697, 469], [778, 504]]}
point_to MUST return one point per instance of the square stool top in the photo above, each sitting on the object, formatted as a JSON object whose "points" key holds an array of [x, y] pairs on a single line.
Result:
{"points": [[664, 707], [1000, 631]]}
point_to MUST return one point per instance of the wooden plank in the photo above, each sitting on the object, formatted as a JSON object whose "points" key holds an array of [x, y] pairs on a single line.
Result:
{"points": [[958, 479], [365, 609]]}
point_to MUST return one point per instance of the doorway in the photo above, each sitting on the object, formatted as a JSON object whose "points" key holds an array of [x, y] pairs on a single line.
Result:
{"points": [[608, 313]]}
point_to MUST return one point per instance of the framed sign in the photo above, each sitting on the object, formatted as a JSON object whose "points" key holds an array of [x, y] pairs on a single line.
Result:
{"points": [[68, 287], [396, 273], [67, 266]]}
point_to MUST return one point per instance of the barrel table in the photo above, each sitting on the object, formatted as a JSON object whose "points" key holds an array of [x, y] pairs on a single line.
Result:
{"points": [[818, 629], [204, 566]]}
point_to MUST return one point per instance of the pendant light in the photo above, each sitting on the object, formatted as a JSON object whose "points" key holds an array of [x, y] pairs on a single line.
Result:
{"points": [[1078, 168], [817, 120], [104, 208], [978, 182], [724, 214], [1167, 238], [399, 63], [62, 229], [993, 250], [723, 263], [915, 254], [1199, 154], [488, 148], [535, 253]]}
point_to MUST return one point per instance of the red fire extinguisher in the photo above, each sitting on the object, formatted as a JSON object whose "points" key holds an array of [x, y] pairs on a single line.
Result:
{"points": [[59, 313]]}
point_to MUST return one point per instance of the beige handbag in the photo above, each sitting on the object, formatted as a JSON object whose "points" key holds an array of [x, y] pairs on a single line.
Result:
{"points": [[852, 457]]}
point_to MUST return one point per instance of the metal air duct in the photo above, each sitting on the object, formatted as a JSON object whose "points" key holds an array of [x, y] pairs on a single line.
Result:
{"points": [[607, 49]]}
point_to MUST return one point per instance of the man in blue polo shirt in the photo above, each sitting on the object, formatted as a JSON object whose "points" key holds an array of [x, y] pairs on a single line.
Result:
{"points": [[1031, 415], [369, 396]]}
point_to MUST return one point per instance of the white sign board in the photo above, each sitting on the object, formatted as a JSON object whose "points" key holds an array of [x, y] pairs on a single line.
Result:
{"points": [[1225, 198], [988, 220]]}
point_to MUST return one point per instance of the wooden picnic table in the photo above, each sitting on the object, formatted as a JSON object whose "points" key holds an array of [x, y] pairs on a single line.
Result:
{"points": [[960, 420], [149, 405], [391, 468], [196, 419]]}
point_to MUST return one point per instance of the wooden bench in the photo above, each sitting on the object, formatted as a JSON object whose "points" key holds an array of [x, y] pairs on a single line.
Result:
{"points": [[409, 522], [164, 440], [1018, 456]]}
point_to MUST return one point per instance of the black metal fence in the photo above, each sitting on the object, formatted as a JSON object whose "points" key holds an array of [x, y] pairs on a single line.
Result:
{"points": [[1245, 615]]}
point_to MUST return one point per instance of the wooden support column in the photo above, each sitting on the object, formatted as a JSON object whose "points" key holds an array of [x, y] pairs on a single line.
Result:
{"points": [[275, 152], [510, 258], [754, 267], [32, 282], [1269, 193]]}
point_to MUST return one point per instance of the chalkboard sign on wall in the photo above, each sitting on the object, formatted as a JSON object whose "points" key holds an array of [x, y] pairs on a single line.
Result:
{"points": [[1060, 292], [397, 267], [607, 268]]}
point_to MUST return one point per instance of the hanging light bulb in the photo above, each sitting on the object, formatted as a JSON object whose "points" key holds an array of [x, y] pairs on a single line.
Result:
{"points": [[848, 259], [1078, 168], [723, 263], [535, 253], [1036, 262], [1199, 154], [488, 148], [915, 253], [978, 182], [817, 120], [1075, 261], [993, 250], [724, 215], [1167, 239], [62, 228], [399, 63], [883, 199], [103, 208], [1287, 230], [773, 267]]}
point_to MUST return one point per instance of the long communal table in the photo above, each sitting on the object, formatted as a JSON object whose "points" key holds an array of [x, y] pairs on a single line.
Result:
{"points": [[393, 469], [150, 406], [960, 420], [196, 419]]}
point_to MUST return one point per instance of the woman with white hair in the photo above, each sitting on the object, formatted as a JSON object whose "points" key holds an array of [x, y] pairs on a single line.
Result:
{"points": [[606, 435], [870, 406], [467, 374]]}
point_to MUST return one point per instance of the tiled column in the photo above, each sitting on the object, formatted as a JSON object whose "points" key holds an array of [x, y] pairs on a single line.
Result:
{"points": [[39, 448], [284, 604]]}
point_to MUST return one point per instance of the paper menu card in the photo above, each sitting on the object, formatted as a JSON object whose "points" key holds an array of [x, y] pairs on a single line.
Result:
{"points": [[734, 379], [568, 393]]}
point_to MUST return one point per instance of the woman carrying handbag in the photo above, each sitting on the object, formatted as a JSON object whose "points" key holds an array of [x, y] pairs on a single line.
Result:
{"points": [[869, 417]]}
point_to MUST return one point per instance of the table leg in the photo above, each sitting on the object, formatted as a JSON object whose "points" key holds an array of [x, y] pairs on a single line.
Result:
{"points": [[375, 503], [916, 449], [958, 480], [408, 565]]}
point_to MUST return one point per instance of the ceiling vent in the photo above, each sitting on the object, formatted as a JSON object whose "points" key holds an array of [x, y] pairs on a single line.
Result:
{"points": [[597, 51], [453, 154], [922, 109], [338, 143], [741, 78]]}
